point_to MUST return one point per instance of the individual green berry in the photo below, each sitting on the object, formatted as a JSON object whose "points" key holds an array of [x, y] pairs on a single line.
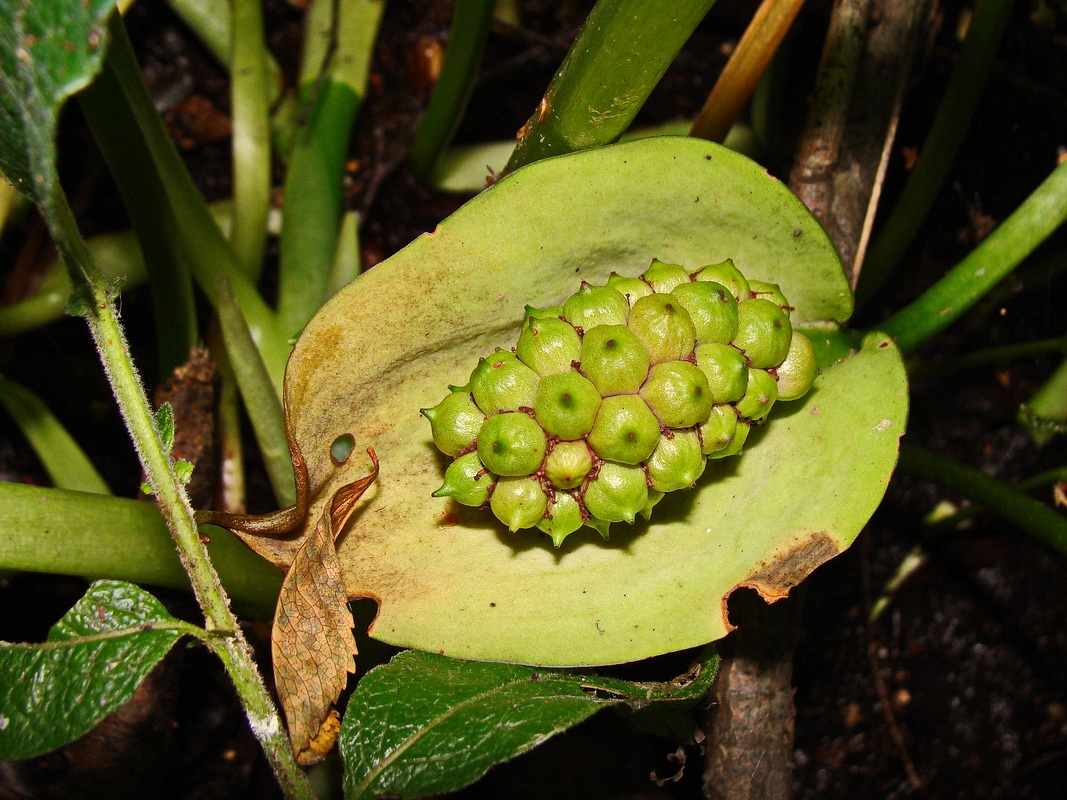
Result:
{"points": [[678, 394], [772, 292], [511, 444], [736, 444], [567, 464], [631, 288], [726, 369], [664, 326], [566, 405], [467, 481], [763, 332], [503, 383], [760, 394], [798, 371], [717, 431], [617, 494], [664, 277], [596, 305], [728, 275], [548, 345], [626, 430], [614, 359], [677, 462], [563, 517], [454, 422], [518, 502], [712, 309]]}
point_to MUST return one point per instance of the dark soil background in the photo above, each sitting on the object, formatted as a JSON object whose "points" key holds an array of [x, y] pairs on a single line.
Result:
{"points": [[957, 691]]}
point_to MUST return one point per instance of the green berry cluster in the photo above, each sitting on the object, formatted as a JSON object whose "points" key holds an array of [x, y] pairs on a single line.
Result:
{"points": [[619, 396]]}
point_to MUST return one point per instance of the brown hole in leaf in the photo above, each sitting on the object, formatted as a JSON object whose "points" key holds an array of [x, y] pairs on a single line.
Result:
{"points": [[774, 577]]}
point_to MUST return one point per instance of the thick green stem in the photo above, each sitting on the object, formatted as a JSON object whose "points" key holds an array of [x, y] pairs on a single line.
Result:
{"points": [[1047, 410], [250, 93], [59, 531], [1028, 514], [966, 283], [621, 53], [938, 151], [313, 183], [466, 41]]}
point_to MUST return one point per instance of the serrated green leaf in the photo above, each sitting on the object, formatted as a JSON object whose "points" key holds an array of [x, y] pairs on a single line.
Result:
{"points": [[95, 657], [49, 49], [424, 724]]}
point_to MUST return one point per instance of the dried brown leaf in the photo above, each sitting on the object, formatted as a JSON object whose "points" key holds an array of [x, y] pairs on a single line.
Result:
{"points": [[312, 643]]}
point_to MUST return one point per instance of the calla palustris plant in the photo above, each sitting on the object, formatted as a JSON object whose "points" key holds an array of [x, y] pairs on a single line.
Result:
{"points": [[454, 580]]}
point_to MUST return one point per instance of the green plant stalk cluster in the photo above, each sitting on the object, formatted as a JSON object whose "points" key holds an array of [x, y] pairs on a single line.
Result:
{"points": [[333, 85], [181, 217], [111, 118]]}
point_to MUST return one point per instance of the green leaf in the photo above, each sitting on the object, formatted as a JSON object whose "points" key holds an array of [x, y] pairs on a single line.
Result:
{"points": [[165, 422], [452, 580], [424, 724], [48, 50], [93, 660]]}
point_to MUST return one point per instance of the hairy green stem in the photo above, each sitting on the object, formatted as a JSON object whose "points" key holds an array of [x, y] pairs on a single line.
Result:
{"points": [[966, 283], [938, 151], [110, 340], [1028, 514], [466, 41], [621, 53]]}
